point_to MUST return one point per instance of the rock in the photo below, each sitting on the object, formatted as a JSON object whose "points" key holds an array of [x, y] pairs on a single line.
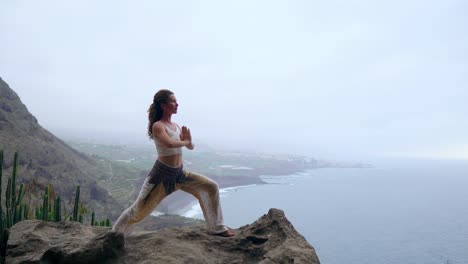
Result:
{"points": [[34, 241], [270, 239]]}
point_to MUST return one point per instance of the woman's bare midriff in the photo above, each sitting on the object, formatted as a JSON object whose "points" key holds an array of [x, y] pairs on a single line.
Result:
{"points": [[173, 161]]}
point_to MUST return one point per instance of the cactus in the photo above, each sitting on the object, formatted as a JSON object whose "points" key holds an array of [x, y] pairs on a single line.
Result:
{"points": [[45, 205], [92, 218], [13, 200], [3, 224], [58, 211], [5, 233], [14, 209], [51, 209], [20, 212], [20, 195], [38, 213], [26, 211], [76, 207], [7, 203], [1, 176], [19, 206], [13, 181], [17, 215]]}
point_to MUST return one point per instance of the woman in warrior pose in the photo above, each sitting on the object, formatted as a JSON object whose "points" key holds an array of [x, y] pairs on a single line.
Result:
{"points": [[167, 174]]}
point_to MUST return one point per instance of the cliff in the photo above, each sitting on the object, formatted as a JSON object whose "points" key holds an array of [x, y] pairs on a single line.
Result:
{"points": [[45, 159], [270, 239]]}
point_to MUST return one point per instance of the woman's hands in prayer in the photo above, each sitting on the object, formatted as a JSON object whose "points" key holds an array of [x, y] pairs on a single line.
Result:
{"points": [[186, 136]]}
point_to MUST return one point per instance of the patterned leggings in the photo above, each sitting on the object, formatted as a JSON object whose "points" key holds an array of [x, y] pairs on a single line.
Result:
{"points": [[162, 181]]}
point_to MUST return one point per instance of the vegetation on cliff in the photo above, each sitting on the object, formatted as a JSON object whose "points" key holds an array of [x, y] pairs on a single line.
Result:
{"points": [[51, 209]]}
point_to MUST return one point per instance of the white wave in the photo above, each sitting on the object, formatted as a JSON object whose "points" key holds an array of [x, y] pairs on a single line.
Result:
{"points": [[225, 166], [283, 179], [194, 212], [229, 189], [232, 167], [156, 213], [241, 168]]}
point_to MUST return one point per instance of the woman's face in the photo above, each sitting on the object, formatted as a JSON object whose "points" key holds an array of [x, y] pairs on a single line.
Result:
{"points": [[171, 105]]}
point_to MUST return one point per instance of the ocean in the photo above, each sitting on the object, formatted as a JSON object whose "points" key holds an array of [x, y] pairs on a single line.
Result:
{"points": [[410, 211]]}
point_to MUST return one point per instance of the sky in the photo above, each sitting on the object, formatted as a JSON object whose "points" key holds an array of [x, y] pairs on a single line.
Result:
{"points": [[332, 79]]}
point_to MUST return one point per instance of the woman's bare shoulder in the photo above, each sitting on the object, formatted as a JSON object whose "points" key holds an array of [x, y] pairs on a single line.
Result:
{"points": [[158, 125]]}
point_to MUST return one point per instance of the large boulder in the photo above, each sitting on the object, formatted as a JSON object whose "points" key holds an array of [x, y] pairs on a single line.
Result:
{"points": [[270, 239]]}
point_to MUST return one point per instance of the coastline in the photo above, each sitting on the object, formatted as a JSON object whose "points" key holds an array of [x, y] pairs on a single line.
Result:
{"points": [[193, 209], [185, 205], [181, 201]]}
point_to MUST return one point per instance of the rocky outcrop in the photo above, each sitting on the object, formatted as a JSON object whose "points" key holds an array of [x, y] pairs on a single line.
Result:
{"points": [[270, 239]]}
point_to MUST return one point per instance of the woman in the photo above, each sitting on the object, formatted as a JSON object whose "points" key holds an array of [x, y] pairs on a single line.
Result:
{"points": [[168, 175]]}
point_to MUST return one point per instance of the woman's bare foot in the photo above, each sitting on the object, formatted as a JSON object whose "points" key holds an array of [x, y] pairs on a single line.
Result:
{"points": [[227, 233]]}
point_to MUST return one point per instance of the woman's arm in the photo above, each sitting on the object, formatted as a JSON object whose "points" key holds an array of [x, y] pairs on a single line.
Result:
{"points": [[159, 132]]}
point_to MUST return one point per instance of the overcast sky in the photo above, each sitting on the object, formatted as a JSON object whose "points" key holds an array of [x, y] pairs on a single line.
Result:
{"points": [[323, 78]]}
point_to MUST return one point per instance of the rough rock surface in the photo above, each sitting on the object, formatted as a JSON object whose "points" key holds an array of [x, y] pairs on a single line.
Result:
{"points": [[270, 239]]}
